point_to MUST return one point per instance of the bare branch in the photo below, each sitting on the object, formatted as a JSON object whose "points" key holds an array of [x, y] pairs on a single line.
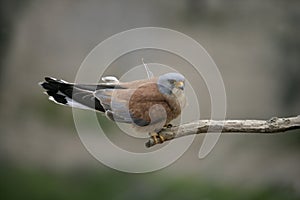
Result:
{"points": [[274, 125]]}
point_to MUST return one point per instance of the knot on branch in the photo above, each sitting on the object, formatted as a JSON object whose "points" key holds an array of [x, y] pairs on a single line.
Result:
{"points": [[273, 120]]}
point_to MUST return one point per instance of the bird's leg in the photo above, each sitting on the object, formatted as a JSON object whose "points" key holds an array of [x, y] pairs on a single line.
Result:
{"points": [[154, 136], [157, 138], [162, 139]]}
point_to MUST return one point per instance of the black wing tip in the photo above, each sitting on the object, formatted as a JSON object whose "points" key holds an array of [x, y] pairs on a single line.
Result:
{"points": [[61, 91], [58, 98], [48, 86], [52, 87], [47, 79], [51, 79], [51, 83]]}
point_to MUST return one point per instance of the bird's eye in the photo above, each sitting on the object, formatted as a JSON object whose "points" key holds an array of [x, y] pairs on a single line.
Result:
{"points": [[172, 81]]}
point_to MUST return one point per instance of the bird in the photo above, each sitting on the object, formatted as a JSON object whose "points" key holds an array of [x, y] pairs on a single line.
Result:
{"points": [[148, 104]]}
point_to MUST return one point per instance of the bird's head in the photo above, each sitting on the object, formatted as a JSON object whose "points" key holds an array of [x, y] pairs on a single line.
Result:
{"points": [[169, 82]]}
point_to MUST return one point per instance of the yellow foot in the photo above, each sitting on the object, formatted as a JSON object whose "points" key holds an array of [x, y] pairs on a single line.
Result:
{"points": [[157, 138], [154, 136], [162, 139]]}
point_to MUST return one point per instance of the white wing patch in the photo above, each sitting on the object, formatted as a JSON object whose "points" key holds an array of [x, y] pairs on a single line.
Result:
{"points": [[110, 79]]}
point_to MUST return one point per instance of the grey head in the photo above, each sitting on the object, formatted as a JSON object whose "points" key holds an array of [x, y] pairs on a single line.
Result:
{"points": [[170, 81]]}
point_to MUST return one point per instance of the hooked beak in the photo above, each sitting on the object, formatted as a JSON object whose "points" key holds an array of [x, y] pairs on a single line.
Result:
{"points": [[179, 85]]}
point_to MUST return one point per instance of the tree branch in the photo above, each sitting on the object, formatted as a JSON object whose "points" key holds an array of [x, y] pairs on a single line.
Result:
{"points": [[274, 125]]}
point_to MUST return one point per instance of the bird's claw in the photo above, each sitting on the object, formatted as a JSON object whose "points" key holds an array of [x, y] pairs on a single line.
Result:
{"points": [[162, 139], [158, 139], [154, 136]]}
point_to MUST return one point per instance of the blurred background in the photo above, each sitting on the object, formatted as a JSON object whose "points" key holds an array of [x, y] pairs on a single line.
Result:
{"points": [[255, 44]]}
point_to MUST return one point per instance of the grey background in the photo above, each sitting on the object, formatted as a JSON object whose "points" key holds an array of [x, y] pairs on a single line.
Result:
{"points": [[255, 44]]}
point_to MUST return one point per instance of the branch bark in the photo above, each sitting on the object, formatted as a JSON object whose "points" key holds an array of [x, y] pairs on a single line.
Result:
{"points": [[273, 125]]}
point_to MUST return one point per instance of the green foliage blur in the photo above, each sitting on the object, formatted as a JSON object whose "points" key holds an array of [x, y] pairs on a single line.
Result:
{"points": [[36, 184]]}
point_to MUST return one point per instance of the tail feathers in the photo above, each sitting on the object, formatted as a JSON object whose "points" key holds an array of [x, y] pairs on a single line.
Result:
{"points": [[57, 90], [68, 94], [57, 98]]}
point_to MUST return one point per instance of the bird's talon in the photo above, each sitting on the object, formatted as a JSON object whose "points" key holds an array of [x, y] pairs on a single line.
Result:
{"points": [[157, 138], [153, 134], [162, 139], [154, 137]]}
